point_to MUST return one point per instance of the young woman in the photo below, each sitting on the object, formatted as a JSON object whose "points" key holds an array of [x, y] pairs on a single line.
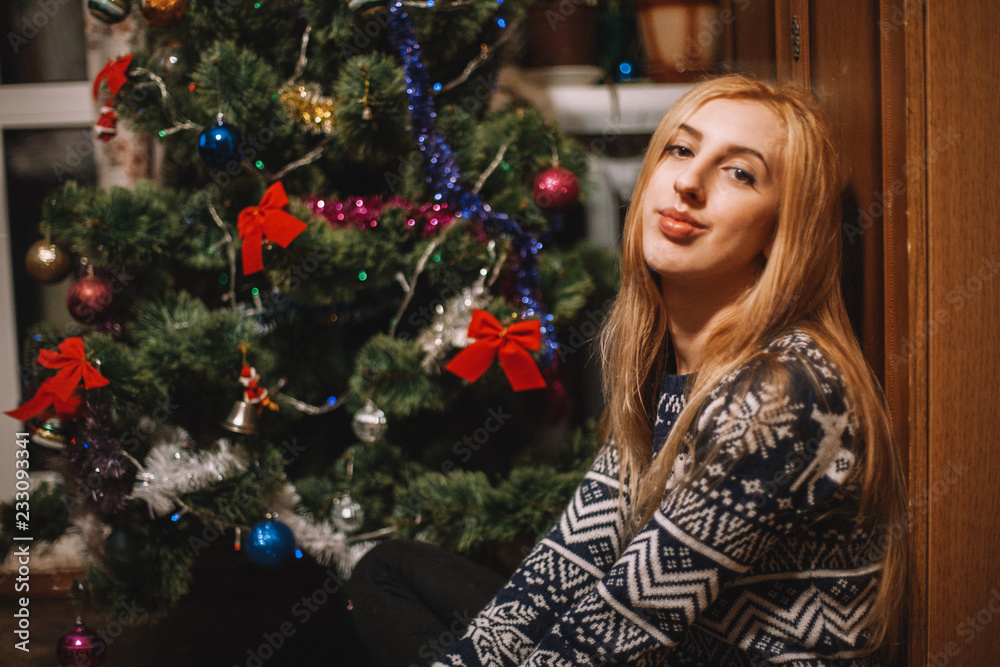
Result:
{"points": [[737, 515]]}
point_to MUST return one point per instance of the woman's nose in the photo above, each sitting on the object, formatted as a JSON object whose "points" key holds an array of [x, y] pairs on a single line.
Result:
{"points": [[689, 183]]}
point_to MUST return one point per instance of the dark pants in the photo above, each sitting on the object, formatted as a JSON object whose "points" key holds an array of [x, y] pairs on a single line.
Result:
{"points": [[412, 600]]}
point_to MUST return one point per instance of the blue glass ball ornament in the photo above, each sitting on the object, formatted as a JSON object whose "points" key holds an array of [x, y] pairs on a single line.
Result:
{"points": [[269, 544], [219, 145]]}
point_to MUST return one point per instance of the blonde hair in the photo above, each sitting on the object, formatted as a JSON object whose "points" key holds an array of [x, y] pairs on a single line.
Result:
{"points": [[798, 288]]}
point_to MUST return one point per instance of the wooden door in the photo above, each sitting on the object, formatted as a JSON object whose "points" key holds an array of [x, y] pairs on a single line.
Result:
{"points": [[912, 89], [953, 349]]}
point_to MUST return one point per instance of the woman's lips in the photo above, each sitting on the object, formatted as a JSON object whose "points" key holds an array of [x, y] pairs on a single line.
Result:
{"points": [[677, 227]]}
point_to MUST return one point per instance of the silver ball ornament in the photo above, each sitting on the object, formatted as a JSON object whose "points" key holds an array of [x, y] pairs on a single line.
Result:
{"points": [[369, 423], [348, 515]]}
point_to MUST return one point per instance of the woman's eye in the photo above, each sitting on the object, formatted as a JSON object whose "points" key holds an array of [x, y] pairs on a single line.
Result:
{"points": [[679, 151], [742, 175]]}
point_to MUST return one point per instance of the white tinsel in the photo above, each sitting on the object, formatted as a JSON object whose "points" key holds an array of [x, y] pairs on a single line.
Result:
{"points": [[170, 471], [319, 539], [449, 329]]}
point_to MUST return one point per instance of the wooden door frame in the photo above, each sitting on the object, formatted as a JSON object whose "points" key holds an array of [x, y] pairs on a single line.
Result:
{"points": [[906, 284], [905, 237]]}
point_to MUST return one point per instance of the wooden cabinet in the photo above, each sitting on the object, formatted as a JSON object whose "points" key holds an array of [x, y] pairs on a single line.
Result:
{"points": [[912, 89]]}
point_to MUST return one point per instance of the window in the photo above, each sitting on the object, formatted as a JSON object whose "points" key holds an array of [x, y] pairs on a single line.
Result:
{"points": [[46, 113]]}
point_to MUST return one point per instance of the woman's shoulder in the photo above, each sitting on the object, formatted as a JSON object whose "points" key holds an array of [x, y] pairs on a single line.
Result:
{"points": [[798, 346], [791, 398], [794, 363]]}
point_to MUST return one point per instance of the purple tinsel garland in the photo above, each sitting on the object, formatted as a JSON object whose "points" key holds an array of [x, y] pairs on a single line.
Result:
{"points": [[98, 460], [445, 177]]}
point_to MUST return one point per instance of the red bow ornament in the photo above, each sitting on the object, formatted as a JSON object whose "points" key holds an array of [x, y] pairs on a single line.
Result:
{"points": [[266, 220], [511, 344], [60, 389], [114, 73]]}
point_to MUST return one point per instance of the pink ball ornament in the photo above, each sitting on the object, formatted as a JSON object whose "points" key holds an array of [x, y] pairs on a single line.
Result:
{"points": [[90, 299], [556, 189], [79, 646]]}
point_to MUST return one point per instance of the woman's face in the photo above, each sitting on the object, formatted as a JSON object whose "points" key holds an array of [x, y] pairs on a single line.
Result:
{"points": [[708, 211]]}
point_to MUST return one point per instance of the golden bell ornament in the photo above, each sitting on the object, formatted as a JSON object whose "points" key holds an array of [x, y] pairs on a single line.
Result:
{"points": [[51, 433], [242, 418]]}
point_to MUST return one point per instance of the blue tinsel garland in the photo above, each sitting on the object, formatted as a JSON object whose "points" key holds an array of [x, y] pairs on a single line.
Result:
{"points": [[445, 178]]}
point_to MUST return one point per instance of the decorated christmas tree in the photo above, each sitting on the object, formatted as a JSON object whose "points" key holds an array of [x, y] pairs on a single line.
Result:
{"points": [[352, 307]]}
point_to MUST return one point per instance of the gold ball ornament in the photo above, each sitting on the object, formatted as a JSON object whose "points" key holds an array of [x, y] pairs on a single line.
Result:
{"points": [[47, 262], [163, 13]]}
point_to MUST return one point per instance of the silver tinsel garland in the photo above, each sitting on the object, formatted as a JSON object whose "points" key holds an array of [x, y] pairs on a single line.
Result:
{"points": [[172, 470], [449, 328]]}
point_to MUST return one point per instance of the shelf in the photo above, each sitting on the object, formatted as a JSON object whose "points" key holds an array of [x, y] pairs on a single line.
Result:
{"points": [[630, 108]]}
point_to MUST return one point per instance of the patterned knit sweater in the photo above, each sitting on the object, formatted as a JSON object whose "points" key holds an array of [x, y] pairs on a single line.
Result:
{"points": [[754, 562]]}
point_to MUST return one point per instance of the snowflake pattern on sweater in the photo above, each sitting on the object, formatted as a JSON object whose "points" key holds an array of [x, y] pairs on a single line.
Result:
{"points": [[744, 565]]}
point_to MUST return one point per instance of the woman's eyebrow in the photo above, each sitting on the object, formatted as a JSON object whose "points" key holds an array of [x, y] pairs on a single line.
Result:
{"points": [[690, 130], [733, 150]]}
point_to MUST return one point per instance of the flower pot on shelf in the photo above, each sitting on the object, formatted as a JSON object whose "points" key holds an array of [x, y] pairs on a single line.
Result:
{"points": [[680, 37]]}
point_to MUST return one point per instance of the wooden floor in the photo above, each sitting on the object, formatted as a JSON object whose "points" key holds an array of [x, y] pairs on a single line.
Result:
{"points": [[225, 621]]}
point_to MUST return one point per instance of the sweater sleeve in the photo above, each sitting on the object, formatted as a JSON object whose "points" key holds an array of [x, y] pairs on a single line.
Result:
{"points": [[561, 569], [786, 448]]}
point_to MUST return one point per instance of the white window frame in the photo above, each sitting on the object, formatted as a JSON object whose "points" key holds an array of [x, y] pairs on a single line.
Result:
{"points": [[25, 106]]}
